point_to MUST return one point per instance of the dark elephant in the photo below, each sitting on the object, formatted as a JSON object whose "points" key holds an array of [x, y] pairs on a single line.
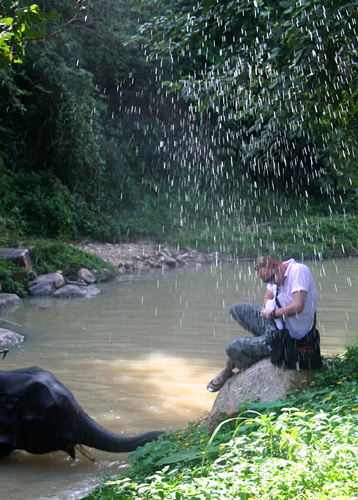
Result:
{"points": [[38, 414]]}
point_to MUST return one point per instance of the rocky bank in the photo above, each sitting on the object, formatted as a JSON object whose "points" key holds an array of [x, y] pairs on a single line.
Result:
{"points": [[146, 256]]}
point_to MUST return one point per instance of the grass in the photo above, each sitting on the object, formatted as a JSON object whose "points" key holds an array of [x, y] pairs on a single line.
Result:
{"points": [[302, 448]]}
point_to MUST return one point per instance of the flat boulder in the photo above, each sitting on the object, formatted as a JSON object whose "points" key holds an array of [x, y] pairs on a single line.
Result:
{"points": [[7, 337], [9, 300], [46, 284], [262, 382], [19, 256], [75, 292]]}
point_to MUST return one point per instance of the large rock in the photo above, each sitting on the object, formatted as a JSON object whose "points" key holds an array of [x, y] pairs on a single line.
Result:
{"points": [[261, 382], [7, 337], [19, 256], [9, 300], [75, 292], [46, 284], [86, 276]]}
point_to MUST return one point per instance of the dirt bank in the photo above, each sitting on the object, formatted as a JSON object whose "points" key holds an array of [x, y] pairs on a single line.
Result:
{"points": [[146, 256]]}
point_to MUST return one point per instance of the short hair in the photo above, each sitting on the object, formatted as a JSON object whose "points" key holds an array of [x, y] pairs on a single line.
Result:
{"points": [[265, 261]]}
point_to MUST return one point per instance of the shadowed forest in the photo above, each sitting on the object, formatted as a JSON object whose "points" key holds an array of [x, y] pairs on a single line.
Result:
{"points": [[226, 125]]}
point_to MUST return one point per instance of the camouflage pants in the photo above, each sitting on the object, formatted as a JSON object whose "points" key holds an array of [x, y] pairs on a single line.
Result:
{"points": [[243, 352]]}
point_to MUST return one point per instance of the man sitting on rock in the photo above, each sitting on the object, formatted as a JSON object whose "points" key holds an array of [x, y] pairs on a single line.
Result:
{"points": [[289, 310]]}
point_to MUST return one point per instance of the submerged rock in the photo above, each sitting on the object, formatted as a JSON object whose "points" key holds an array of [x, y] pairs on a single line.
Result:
{"points": [[7, 337], [9, 300], [105, 275], [75, 291]]}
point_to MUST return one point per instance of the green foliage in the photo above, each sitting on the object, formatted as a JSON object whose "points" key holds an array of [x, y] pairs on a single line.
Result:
{"points": [[37, 204], [94, 144], [282, 451], [279, 80], [50, 257], [47, 257], [27, 22], [8, 281]]}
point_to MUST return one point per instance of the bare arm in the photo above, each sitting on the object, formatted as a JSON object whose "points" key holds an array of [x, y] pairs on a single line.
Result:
{"points": [[268, 296], [295, 307]]}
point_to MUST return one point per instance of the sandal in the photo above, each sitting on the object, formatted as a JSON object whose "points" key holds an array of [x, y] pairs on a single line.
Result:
{"points": [[212, 387]]}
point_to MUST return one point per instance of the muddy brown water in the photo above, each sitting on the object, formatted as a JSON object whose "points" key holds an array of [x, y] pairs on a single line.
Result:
{"points": [[138, 357]]}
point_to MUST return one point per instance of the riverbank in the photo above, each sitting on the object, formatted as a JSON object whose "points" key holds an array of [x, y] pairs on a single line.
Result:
{"points": [[147, 256]]}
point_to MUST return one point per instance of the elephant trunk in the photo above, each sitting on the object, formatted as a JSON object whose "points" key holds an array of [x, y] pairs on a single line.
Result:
{"points": [[94, 435]]}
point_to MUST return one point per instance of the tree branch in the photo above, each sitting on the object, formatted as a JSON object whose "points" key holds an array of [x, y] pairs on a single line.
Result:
{"points": [[80, 7]]}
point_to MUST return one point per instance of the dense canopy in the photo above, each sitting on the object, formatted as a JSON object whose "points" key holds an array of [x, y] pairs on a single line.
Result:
{"points": [[157, 118]]}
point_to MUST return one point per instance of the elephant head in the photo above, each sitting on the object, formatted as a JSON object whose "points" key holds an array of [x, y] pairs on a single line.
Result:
{"points": [[38, 414]]}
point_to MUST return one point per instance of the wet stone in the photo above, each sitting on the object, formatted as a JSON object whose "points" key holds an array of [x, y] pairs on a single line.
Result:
{"points": [[8, 337], [46, 284], [9, 300]]}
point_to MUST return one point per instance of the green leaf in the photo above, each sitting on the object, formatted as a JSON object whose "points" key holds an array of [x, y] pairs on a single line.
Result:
{"points": [[180, 456], [6, 21]]}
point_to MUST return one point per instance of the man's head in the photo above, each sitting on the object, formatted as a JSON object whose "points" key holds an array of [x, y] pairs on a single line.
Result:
{"points": [[265, 267]]}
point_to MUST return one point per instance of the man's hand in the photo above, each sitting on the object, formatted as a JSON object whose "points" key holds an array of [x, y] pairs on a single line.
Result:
{"points": [[265, 313]]}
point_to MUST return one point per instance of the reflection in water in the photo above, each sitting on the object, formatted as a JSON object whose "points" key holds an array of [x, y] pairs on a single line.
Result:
{"points": [[138, 356]]}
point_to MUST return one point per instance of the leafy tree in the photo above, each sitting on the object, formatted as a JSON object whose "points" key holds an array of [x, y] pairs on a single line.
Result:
{"points": [[277, 79], [27, 23]]}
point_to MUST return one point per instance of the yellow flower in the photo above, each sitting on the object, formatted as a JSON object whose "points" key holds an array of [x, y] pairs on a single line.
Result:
{"points": [[186, 444], [344, 378], [248, 423], [329, 397], [201, 441], [222, 448], [180, 475], [354, 409], [303, 381], [345, 411], [338, 383]]}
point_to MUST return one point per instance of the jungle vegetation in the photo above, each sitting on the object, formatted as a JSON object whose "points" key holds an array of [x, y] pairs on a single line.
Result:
{"points": [[226, 125]]}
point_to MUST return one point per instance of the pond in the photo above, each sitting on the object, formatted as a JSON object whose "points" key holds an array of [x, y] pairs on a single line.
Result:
{"points": [[138, 356]]}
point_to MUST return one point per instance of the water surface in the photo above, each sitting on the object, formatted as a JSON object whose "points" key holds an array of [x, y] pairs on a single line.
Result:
{"points": [[138, 356]]}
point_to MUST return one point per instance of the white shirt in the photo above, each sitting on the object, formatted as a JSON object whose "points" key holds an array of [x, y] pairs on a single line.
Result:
{"points": [[298, 278]]}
